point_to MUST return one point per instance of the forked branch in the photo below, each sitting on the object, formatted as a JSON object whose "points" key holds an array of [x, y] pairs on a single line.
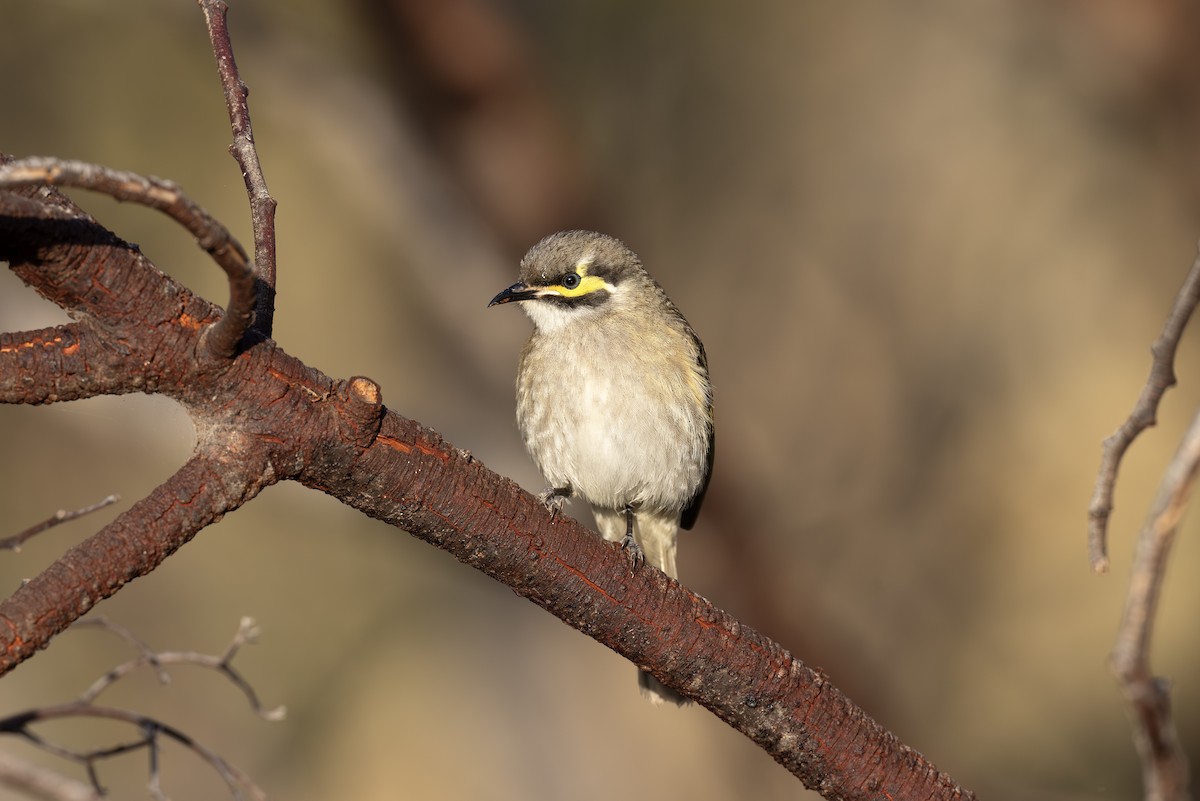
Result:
{"points": [[150, 731], [1164, 764]]}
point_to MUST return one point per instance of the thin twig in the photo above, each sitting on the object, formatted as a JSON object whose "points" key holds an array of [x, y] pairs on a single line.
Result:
{"points": [[155, 783], [1164, 765], [15, 542], [247, 633], [243, 150], [149, 728], [223, 336], [239, 783], [1144, 415]]}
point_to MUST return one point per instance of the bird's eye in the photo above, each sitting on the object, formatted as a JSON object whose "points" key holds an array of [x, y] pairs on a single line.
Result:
{"points": [[571, 280]]}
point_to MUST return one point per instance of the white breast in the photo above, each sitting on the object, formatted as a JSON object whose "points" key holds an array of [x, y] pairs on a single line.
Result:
{"points": [[621, 426]]}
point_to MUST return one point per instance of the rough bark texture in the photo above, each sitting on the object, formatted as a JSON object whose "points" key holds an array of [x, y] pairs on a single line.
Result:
{"points": [[263, 416]]}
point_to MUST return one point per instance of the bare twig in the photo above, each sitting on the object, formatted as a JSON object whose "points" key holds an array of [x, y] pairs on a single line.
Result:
{"points": [[149, 729], [15, 542], [240, 785], [1144, 415], [223, 337], [247, 633], [262, 205], [1164, 766]]}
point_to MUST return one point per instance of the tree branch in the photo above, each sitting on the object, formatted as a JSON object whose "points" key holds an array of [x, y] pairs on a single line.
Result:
{"points": [[265, 417], [203, 490], [413, 479], [1164, 764], [1144, 415], [226, 333], [262, 205], [77, 361]]}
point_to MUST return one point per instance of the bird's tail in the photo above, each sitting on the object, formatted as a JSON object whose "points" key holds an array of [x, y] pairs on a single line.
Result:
{"points": [[656, 534], [658, 693]]}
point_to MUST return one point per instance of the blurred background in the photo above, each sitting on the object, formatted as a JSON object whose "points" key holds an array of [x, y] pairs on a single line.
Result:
{"points": [[927, 246]]}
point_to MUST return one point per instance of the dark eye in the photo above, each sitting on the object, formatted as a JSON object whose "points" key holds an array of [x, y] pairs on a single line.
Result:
{"points": [[571, 280]]}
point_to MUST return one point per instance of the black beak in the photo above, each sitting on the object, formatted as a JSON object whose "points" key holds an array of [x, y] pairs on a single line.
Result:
{"points": [[516, 292]]}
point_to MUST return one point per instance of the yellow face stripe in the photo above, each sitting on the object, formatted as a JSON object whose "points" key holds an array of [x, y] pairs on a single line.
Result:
{"points": [[587, 285]]}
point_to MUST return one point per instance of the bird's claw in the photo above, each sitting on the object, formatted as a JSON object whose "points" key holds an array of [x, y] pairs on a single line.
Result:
{"points": [[554, 498], [629, 545], [636, 557]]}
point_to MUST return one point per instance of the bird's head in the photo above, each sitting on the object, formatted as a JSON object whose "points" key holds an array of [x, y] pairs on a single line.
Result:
{"points": [[572, 274]]}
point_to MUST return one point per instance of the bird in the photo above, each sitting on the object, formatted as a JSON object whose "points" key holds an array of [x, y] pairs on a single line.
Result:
{"points": [[614, 401]]}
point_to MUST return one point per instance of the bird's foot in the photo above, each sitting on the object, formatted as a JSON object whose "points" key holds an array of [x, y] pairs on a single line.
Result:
{"points": [[629, 545], [553, 498], [633, 551]]}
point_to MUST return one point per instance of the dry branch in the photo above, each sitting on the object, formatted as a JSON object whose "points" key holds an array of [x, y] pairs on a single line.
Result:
{"points": [[1143, 415], [1164, 764], [150, 730], [262, 205]]}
